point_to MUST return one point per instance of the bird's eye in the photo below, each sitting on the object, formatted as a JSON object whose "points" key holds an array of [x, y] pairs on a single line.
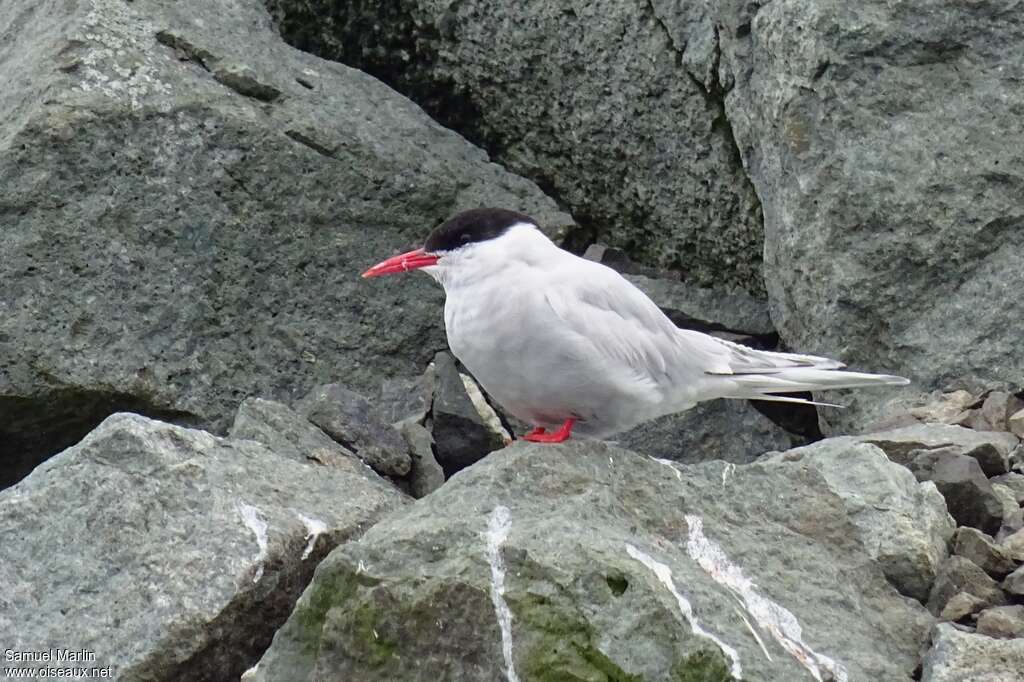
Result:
{"points": [[465, 238]]}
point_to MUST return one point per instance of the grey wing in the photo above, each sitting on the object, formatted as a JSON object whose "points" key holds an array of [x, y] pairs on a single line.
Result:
{"points": [[627, 331], [624, 326]]}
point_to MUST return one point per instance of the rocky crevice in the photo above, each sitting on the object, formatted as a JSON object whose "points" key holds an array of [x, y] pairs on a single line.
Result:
{"points": [[32, 429]]}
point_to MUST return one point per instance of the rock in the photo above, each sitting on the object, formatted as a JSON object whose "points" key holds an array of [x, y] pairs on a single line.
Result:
{"points": [[617, 260], [1002, 622], [1012, 513], [1016, 423], [982, 550], [993, 414], [867, 258], [175, 242], [998, 408], [1015, 482], [961, 605], [168, 553], [902, 524], [893, 421], [289, 434], [426, 474], [606, 105], [707, 309], [958, 656], [1014, 545], [1014, 583], [461, 434], [584, 561], [943, 408], [1011, 524], [352, 421], [990, 448], [729, 430], [404, 399], [968, 494], [957, 575]]}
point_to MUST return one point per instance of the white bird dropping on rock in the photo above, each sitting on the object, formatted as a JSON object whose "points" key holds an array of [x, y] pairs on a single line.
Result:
{"points": [[498, 526]]}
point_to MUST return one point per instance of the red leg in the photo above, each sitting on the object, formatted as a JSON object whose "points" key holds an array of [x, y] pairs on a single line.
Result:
{"points": [[538, 435]]}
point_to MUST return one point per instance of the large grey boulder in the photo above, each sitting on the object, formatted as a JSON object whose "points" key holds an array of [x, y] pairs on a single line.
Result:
{"points": [[601, 103], [187, 205], [883, 140], [958, 656], [168, 553], [903, 524], [585, 561]]}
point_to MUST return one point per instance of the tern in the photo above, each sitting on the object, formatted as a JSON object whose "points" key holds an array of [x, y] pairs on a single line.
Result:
{"points": [[569, 345]]}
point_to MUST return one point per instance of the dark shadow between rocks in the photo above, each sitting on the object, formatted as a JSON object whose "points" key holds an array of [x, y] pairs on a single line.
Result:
{"points": [[34, 429]]}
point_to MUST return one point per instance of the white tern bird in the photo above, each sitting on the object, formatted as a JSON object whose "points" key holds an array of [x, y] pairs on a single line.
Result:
{"points": [[565, 343]]}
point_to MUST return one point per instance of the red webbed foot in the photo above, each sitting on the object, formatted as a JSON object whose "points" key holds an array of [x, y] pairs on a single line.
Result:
{"points": [[539, 435]]}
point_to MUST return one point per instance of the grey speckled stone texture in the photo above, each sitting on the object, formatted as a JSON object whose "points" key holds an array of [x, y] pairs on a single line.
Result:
{"points": [[175, 239], [168, 553], [585, 561]]}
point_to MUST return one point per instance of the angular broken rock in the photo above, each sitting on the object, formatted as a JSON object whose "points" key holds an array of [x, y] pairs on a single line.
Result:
{"points": [[990, 448], [957, 575], [1016, 424], [1014, 583], [902, 523], [1013, 515], [462, 435], [352, 421], [406, 399], [584, 561], [1015, 482], [969, 495], [943, 408], [957, 656], [961, 605], [169, 553], [998, 408], [1014, 545], [1003, 622], [729, 430], [983, 551], [289, 434], [426, 475]]}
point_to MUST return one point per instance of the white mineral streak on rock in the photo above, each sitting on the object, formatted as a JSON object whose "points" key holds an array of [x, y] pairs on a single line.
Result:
{"points": [[314, 529], [727, 471], [664, 574], [254, 520], [670, 464], [498, 527], [776, 619], [484, 409]]}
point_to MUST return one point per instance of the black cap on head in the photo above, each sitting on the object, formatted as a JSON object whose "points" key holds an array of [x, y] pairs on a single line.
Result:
{"points": [[476, 225]]}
